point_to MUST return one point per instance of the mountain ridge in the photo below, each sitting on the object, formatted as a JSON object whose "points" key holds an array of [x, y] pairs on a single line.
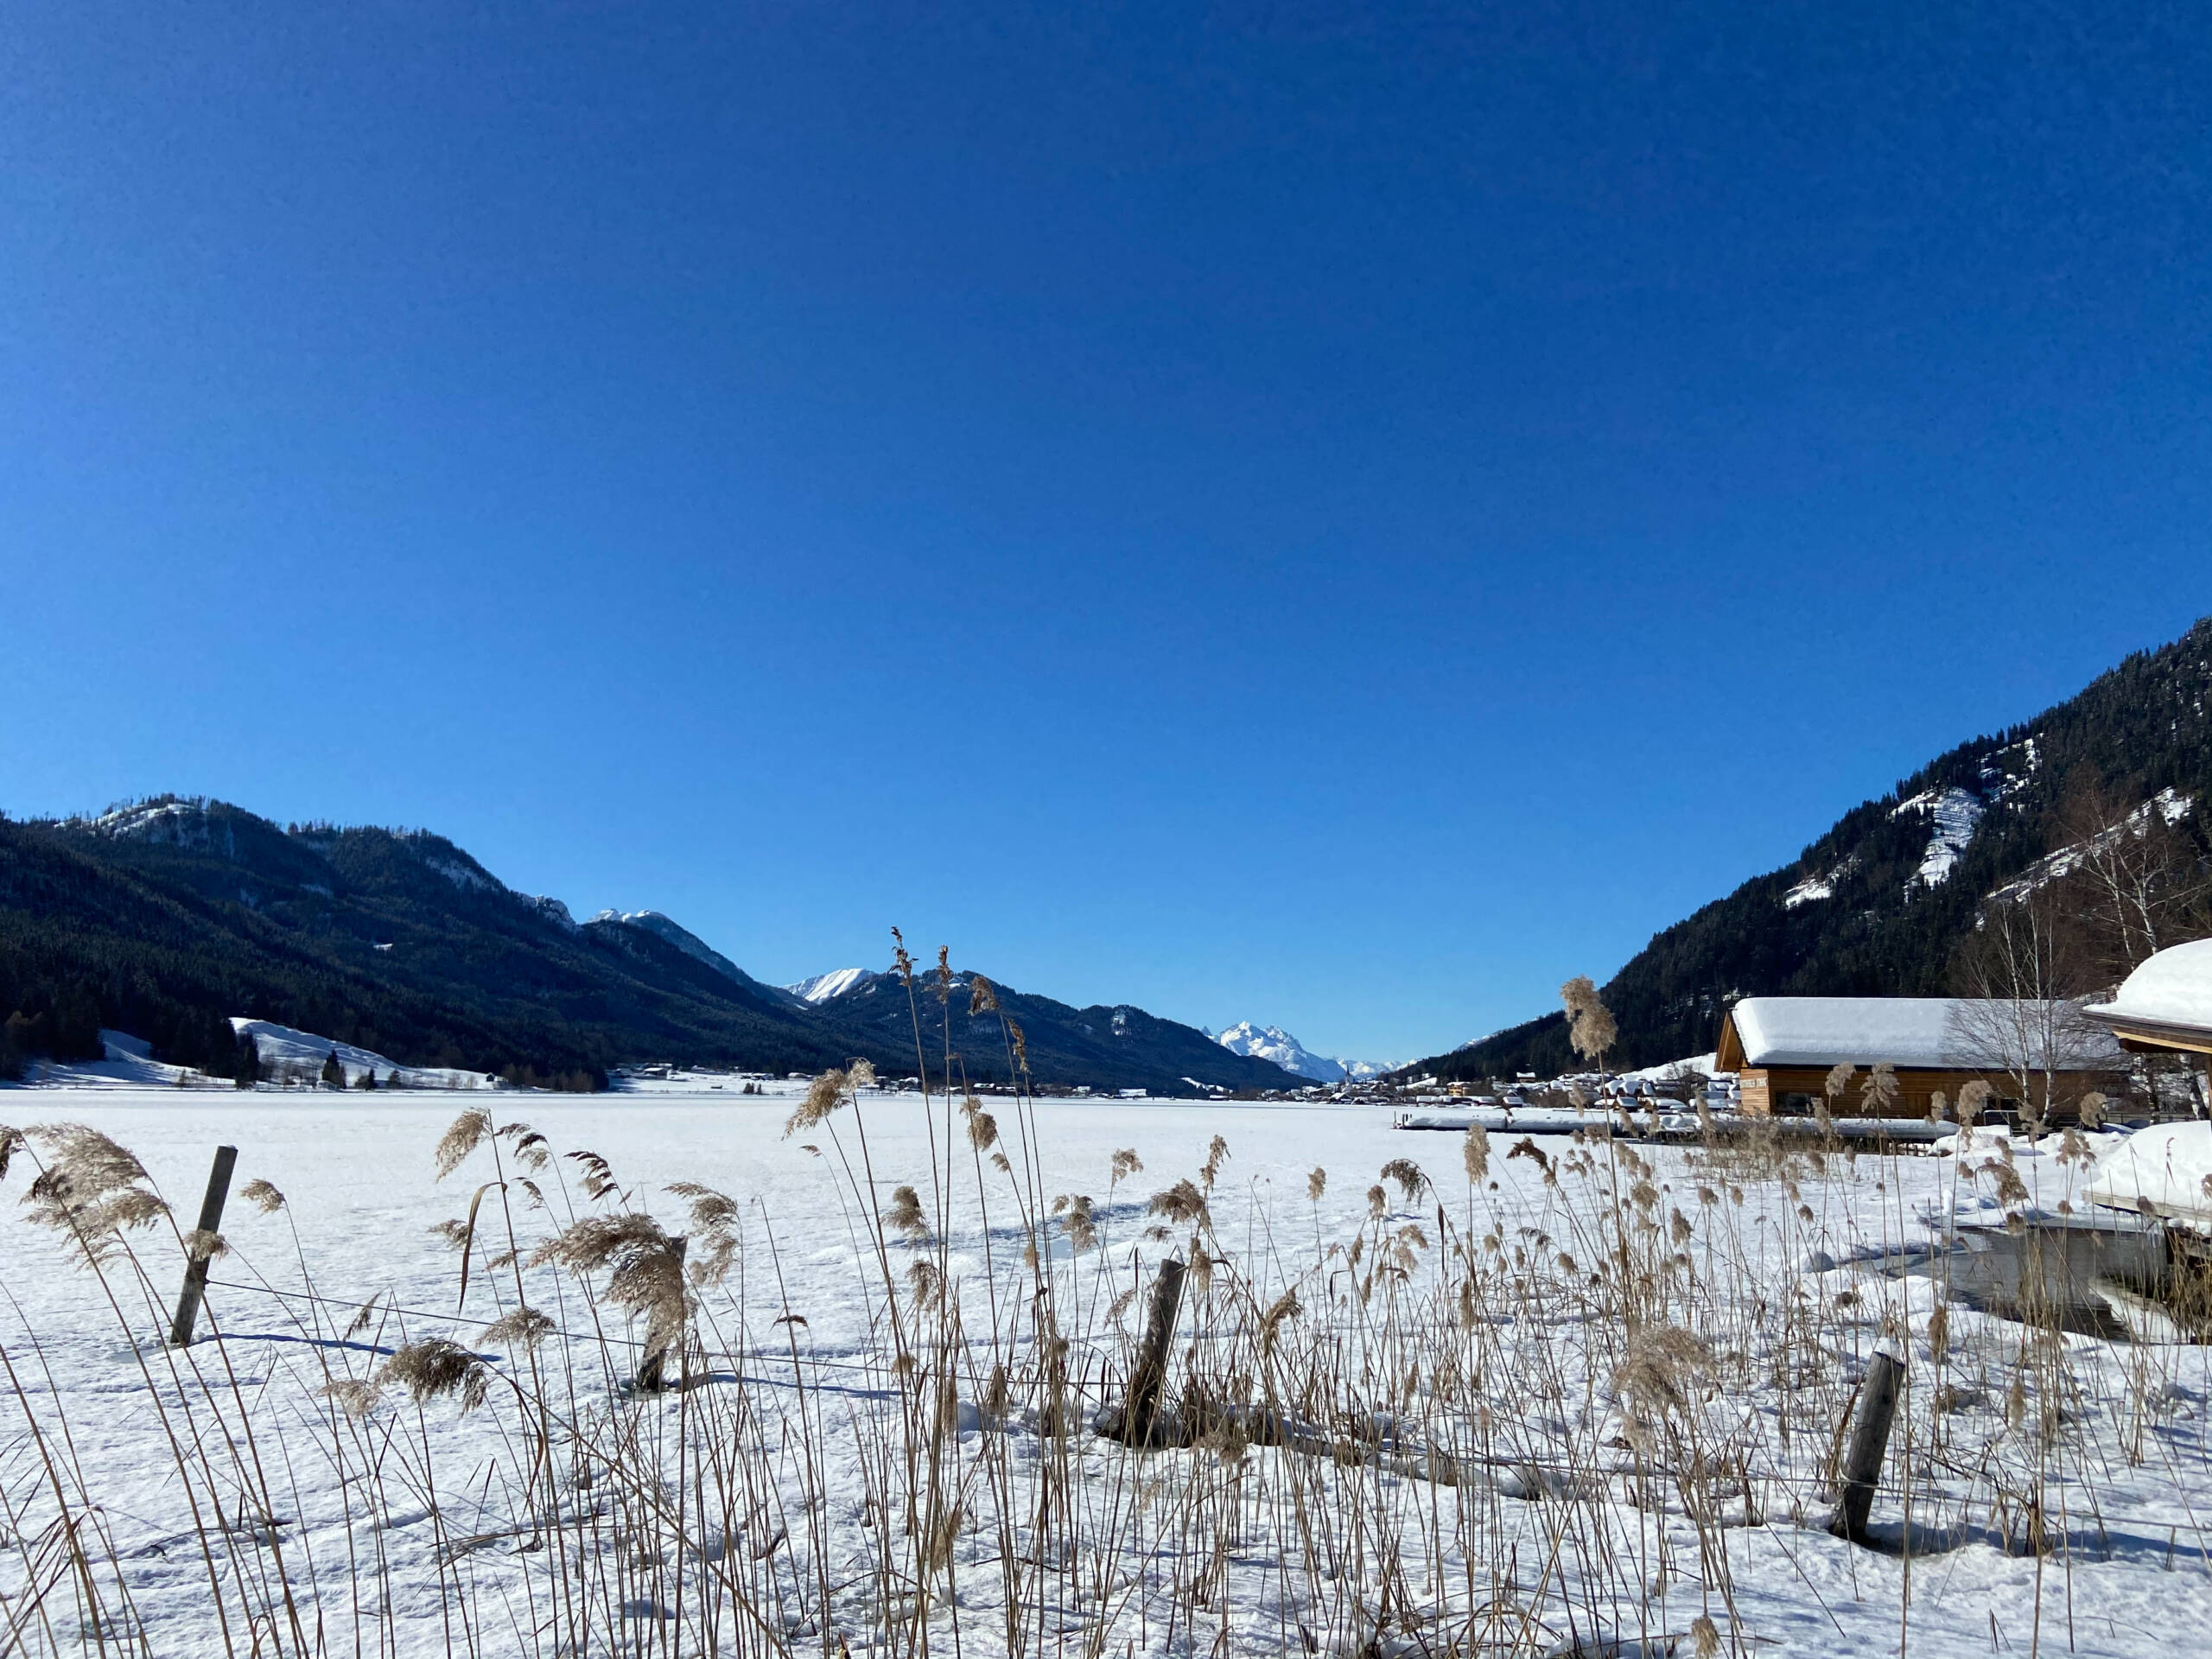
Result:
{"points": [[168, 917]]}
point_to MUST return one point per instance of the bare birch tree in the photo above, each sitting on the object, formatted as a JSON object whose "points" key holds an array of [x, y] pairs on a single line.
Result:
{"points": [[2131, 876], [2021, 976]]}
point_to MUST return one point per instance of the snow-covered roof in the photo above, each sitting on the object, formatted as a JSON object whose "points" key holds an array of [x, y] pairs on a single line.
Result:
{"points": [[2173, 990], [1944, 1033]]}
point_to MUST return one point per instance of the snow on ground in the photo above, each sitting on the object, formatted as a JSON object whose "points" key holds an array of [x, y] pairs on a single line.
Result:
{"points": [[1269, 1551], [2168, 1166], [126, 1062], [288, 1055]]}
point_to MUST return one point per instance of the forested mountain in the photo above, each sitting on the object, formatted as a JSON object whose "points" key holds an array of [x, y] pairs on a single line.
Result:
{"points": [[1881, 904], [164, 918]]}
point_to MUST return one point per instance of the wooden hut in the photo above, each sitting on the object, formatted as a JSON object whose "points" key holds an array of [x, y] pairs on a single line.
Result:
{"points": [[1783, 1049]]}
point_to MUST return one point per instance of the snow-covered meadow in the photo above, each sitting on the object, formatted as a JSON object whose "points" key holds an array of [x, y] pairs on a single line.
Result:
{"points": [[1593, 1397]]}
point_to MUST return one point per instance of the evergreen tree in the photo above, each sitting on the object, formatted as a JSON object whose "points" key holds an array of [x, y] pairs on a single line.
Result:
{"points": [[76, 1029], [368, 1078], [249, 1072], [332, 1073], [18, 1042]]}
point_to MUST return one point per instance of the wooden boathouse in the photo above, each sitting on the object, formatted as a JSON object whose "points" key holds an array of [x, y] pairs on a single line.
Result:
{"points": [[1784, 1048]]}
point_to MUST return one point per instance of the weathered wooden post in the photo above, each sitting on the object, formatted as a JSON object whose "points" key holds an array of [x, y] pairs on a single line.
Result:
{"points": [[1151, 1376], [1137, 1422], [196, 1269], [1870, 1439]]}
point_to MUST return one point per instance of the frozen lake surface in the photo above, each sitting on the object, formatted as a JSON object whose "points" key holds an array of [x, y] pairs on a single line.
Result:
{"points": [[1605, 1483]]}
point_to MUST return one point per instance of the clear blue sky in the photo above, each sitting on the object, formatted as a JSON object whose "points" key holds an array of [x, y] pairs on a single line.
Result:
{"points": [[1337, 519]]}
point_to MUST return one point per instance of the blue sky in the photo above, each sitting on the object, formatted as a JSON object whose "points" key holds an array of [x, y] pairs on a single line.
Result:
{"points": [[1337, 518]]}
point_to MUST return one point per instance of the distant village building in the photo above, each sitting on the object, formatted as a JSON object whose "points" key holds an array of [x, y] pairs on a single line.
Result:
{"points": [[1784, 1048]]}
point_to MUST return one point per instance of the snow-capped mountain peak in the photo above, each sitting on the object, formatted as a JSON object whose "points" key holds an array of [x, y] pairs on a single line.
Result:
{"points": [[1273, 1043], [822, 987]]}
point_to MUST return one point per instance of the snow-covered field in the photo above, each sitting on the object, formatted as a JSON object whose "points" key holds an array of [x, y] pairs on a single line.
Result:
{"points": [[1627, 1369]]}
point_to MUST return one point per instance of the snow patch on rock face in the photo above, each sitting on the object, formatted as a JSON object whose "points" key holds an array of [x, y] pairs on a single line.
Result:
{"points": [[458, 873], [1811, 890], [2169, 806], [824, 987], [183, 824], [554, 912], [2005, 772], [437, 853], [674, 932], [1955, 814]]}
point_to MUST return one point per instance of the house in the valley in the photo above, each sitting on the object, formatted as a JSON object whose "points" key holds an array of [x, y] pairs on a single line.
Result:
{"points": [[1784, 1048]]}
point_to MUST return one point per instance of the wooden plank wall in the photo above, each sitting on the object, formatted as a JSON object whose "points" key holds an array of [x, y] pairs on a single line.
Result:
{"points": [[1766, 1088]]}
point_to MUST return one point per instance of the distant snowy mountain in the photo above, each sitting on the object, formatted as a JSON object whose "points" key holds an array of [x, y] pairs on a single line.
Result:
{"points": [[824, 988], [1273, 1043]]}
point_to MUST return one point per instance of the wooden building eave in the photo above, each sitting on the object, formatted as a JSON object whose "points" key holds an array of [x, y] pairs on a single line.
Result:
{"points": [[1728, 1055], [2158, 1036]]}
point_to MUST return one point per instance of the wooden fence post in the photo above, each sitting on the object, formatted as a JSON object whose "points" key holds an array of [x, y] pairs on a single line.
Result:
{"points": [[195, 1270], [1870, 1439], [1141, 1416]]}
